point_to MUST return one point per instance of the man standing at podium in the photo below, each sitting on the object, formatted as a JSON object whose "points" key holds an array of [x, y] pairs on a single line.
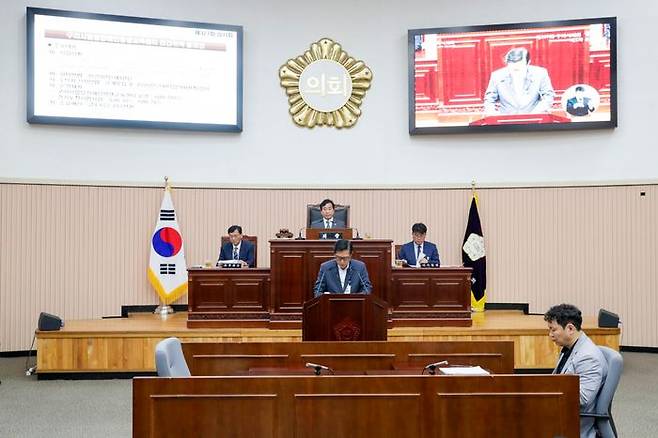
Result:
{"points": [[237, 248], [419, 250], [342, 275], [327, 209], [519, 88]]}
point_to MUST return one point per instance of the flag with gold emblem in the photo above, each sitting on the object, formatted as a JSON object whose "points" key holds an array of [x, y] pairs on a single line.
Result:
{"points": [[474, 256]]}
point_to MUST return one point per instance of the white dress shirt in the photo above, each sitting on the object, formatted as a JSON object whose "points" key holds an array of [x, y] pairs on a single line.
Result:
{"points": [[342, 273]]}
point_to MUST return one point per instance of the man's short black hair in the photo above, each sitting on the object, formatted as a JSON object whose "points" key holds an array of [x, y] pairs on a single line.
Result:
{"points": [[419, 228], [342, 245], [564, 314], [233, 228], [517, 54], [327, 201]]}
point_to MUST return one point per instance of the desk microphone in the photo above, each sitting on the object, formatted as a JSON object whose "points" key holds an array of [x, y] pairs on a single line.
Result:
{"points": [[299, 236], [432, 367], [357, 235], [318, 285], [318, 368]]}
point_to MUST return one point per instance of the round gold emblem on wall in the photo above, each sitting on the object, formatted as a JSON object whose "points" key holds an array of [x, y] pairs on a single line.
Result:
{"points": [[325, 86]]}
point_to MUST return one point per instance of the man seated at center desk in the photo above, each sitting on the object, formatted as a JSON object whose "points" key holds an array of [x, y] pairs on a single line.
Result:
{"points": [[342, 275], [327, 210]]}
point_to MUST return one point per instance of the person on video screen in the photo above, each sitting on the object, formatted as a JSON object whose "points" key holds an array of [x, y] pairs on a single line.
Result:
{"points": [[579, 105], [518, 88]]}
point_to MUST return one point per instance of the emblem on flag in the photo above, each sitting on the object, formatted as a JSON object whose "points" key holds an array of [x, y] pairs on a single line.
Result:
{"points": [[167, 270]]}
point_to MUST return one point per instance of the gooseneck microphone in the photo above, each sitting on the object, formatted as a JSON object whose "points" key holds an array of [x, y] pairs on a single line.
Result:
{"points": [[432, 367], [318, 285], [358, 237], [318, 368], [299, 235]]}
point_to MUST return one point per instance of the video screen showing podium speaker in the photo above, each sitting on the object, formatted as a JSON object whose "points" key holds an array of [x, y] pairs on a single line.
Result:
{"points": [[526, 76]]}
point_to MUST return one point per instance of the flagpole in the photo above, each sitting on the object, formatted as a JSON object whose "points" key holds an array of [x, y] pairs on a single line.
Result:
{"points": [[164, 310]]}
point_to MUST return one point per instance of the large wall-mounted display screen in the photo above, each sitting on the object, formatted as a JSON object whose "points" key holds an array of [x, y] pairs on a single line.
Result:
{"points": [[526, 76], [108, 70]]}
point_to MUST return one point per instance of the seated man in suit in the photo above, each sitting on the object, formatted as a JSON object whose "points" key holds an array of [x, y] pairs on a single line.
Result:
{"points": [[580, 105], [579, 356], [327, 209], [418, 250], [237, 248], [342, 275]]}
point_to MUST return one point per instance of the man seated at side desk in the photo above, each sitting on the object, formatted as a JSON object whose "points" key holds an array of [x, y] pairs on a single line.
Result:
{"points": [[342, 275], [327, 209], [579, 356], [237, 248], [419, 250]]}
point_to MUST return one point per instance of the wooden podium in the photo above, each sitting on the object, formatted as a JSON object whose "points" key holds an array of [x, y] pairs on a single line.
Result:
{"points": [[295, 266], [345, 317]]}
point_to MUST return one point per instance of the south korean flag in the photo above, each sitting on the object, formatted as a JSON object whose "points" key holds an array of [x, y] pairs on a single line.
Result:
{"points": [[167, 270]]}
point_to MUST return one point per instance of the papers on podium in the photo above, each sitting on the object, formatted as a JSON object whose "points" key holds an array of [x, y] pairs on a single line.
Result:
{"points": [[464, 371]]}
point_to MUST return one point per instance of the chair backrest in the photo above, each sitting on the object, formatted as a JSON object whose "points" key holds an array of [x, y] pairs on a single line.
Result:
{"points": [[397, 251], [615, 362], [342, 212], [169, 359], [252, 239]]}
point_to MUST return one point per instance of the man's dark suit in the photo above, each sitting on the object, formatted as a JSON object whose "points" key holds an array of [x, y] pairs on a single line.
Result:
{"points": [[320, 223], [329, 279], [408, 253], [246, 252], [579, 109]]}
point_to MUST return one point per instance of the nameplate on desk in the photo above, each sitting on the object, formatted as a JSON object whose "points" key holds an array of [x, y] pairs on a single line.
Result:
{"points": [[229, 264], [329, 235]]}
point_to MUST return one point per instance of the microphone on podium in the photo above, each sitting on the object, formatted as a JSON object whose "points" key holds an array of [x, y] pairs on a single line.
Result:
{"points": [[357, 235], [432, 367], [299, 235], [318, 368]]}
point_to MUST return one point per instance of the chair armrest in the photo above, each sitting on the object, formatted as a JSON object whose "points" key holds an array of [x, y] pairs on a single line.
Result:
{"points": [[594, 415]]}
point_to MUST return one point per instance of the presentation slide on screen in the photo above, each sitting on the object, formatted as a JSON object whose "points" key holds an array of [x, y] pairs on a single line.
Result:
{"points": [[96, 69]]}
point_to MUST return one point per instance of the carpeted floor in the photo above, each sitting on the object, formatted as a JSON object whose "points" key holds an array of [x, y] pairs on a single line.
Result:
{"points": [[102, 408]]}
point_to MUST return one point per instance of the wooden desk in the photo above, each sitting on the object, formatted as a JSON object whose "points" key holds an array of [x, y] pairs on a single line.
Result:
{"points": [[511, 406], [295, 265], [223, 297], [217, 358], [431, 297]]}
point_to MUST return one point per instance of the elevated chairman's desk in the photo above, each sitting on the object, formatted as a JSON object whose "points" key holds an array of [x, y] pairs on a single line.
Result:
{"points": [[274, 297]]}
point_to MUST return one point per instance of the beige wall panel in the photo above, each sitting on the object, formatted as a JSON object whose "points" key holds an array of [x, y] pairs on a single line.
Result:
{"points": [[82, 251]]}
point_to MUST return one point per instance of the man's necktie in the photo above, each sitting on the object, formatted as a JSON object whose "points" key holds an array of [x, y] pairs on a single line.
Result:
{"points": [[236, 254], [417, 251]]}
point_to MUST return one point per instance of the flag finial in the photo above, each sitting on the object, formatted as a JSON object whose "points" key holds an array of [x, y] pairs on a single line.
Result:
{"points": [[167, 185], [472, 186]]}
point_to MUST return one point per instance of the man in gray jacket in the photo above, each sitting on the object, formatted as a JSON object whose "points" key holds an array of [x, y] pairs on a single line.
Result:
{"points": [[519, 88], [579, 356]]}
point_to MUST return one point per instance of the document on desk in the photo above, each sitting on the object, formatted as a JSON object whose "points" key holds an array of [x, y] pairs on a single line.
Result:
{"points": [[464, 371]]}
